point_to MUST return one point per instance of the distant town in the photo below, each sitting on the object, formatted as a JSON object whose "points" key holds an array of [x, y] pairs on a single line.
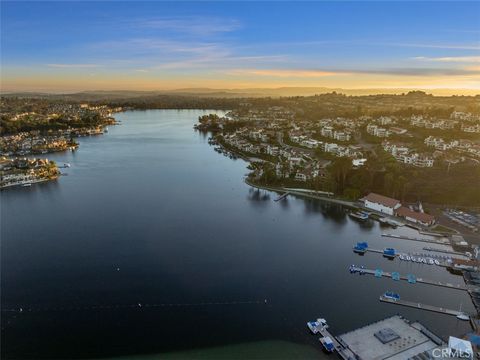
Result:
{"points": [[34, 127]]}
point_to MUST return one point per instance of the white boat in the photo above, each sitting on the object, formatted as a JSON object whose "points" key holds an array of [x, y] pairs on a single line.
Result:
{"points": [[316, 326], [436, 262], [327, 344], [430, 262], [313, 326], [27, 185], [463, 317]]}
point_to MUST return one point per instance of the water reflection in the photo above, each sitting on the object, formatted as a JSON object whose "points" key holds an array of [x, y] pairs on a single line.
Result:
{"points": [[258, 196]]}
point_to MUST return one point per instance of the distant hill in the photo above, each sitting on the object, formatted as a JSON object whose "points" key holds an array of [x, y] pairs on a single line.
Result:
{"points": [[234, 93]]}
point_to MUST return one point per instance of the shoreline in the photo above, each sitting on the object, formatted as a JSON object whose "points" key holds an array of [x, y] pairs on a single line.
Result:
{"points": [[20, 184], [349, 204], [307, 193]]}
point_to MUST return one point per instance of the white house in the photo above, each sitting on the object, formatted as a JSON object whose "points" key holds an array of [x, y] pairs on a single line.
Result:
{"points": [[381, 203]]}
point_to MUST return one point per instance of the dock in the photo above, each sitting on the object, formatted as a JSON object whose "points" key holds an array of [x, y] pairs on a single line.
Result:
{"points": [[281, 197], [341, 348], [431, 241], [443, 260], [427, 248], [420, 306], [360, 270]]}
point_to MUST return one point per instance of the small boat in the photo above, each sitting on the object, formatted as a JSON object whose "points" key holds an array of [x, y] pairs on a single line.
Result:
{"points": [[67, 165], [27, 184], [327, 343], [463, 317], [360, 215], [360, 248], [436, 262], [391, 295], [389, 253], [315, 326], [430, 262]]}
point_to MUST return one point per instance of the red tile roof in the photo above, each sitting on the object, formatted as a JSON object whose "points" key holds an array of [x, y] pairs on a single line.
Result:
{"points": [[422, 217], [380, 199]]}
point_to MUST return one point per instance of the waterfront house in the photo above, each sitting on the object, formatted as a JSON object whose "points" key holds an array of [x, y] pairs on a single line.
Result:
{"points": [[381, 203]]}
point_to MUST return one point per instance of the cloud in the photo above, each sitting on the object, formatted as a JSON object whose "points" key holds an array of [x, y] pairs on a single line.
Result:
{"points": [[436, 46], [315, 73], [192, 25], [159, 54], [461, 59], [74, 66], [417, 71], [284, 72]]}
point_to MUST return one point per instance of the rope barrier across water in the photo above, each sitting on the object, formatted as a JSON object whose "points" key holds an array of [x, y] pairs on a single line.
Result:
{"points": [[28, 309]]}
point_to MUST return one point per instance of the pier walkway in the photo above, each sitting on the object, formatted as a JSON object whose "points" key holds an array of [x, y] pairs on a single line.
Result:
{"points": [[427, 248], [360, 270], [420, 306]]}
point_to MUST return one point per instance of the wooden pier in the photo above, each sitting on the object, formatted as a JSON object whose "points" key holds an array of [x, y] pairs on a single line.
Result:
{"points": [[420, 306], [430, 241], [418, 280]]}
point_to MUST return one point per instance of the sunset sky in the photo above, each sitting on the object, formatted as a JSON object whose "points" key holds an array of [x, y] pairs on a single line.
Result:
{"points": [[71, 46]]}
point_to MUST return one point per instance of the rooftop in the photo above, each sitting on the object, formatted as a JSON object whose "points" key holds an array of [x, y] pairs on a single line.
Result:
{"points": [[406, 212], [380, 199], [394, 338]]}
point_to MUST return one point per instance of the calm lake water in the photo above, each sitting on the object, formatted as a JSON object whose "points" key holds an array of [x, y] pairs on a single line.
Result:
{"points": [[153, 243]]}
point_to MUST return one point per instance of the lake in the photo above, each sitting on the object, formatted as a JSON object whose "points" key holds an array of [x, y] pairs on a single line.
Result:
{"points": [[154, 244]]}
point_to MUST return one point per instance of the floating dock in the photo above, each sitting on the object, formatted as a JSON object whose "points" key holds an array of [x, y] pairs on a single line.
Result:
{"points": [[341, 348], [420, 306], [427, 248], [381, 273]]}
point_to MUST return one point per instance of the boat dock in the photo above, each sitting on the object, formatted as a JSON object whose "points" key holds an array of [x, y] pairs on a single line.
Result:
{"points": [[420, 306], [341, 348], [431, 241], [381, 273], [281, 197], [427, 248], [441, 259]]}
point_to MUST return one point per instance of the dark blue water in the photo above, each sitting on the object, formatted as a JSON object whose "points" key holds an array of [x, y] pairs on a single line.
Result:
{"points": [[149, 214]]}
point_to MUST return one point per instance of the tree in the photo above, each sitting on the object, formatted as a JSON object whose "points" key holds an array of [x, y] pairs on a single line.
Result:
{"points": [[339, 170]]}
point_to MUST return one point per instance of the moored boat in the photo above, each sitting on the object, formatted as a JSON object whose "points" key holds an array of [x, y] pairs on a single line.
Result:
{"points": [[391, 295], [360, 247], [327, 343], [316, 326], [389, 253], [360, 215]]}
